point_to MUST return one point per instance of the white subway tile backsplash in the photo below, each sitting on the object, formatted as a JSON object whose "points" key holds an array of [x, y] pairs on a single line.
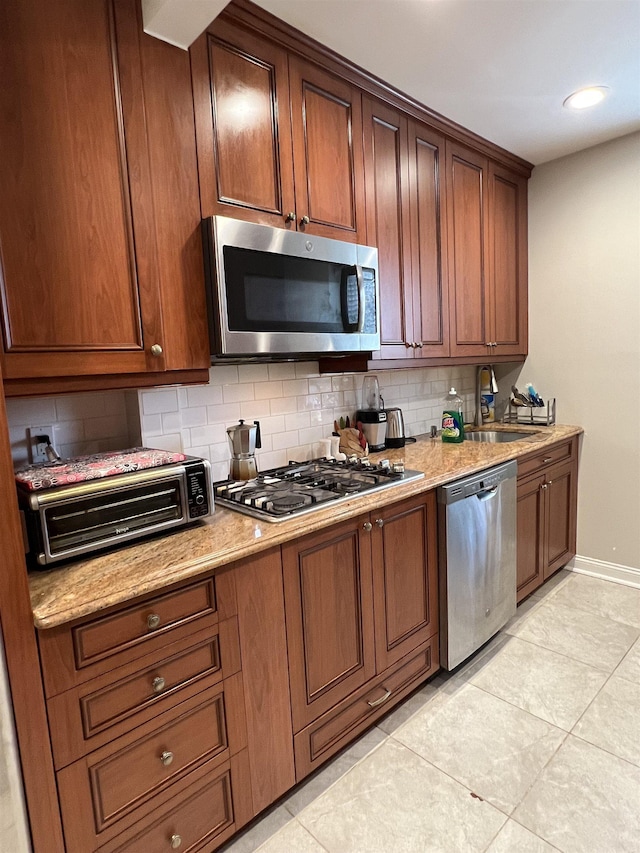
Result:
{"points": [[284, 406], [295, 387], [253, 373], [158, 402], [171, 422], [223, 374], [31, 410], [285, 370], [171, 441], [309, 402], [227, 412], [238, 393], [190, 417], [320, 384], [202, 395], [255, 409], [306, 369], [151, 424], [268, 390]]}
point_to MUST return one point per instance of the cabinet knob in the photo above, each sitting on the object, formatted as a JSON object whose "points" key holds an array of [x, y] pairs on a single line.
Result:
{"points": [[290, 217], [166, 758], [156, 350], [158, 684], [305, 220], [419, 344], [408, 345], [175, 841], [543, 486], [488, 344], [153, 620], [549, 482], [380, 522], [367, 526]]}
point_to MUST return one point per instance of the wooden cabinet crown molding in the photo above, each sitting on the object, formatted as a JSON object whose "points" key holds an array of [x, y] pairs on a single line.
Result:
{"points": [[252, 17]]}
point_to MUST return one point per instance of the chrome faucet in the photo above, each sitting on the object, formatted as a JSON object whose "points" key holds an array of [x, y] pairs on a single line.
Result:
{"points": [[494, 390]]}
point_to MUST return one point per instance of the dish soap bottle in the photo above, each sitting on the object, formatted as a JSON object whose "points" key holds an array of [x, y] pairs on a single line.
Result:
{"points": [[452, 418]]}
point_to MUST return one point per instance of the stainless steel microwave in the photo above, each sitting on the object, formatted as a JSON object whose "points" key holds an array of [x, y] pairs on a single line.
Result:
{"points": [[277, 293], [77, 519]]}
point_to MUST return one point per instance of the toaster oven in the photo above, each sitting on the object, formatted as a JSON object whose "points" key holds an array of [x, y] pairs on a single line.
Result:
{"points": [[75, 519]]}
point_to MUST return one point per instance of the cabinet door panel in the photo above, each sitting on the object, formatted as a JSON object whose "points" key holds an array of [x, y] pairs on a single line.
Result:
{"points": [[327, 145], [560, 541], [69, 277], [530, 569], [405, 577], [466, 173], [243, 128], [430, 312], [386, 168], [329, 618], [508, 261]]}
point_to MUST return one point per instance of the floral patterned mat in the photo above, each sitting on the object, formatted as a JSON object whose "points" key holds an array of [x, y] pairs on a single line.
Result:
{"points": [[93, 467]]}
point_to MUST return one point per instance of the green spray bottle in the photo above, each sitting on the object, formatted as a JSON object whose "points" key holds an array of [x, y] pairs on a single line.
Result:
{"points": [[452, 418]]}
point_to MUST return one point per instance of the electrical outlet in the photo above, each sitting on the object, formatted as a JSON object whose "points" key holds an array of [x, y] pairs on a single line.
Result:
{"points": [[37, 449]]}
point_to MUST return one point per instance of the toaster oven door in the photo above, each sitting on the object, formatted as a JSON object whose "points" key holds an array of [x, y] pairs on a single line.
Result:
{"points": [[85, 519]]}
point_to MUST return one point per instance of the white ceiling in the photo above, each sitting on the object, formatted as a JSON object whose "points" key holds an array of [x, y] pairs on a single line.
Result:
{"points": [[500, 68]]}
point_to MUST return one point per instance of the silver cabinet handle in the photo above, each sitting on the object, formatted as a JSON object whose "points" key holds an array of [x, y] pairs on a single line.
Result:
{"points": [[175, 841], [153, 621], [156, 350], [305, 220], [382, 699], [548, 459], [367, 526], [166, 758], [290, 217], [158, 684], [380, 522], [549, 482]]}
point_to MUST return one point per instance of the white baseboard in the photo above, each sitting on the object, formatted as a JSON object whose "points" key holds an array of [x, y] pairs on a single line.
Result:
{"points": [[627, 575]]}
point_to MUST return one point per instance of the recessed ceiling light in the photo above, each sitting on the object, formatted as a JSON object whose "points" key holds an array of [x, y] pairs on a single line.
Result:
{"points": [[584, 98]]}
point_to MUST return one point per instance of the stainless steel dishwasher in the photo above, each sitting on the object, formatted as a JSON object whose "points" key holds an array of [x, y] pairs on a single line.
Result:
{"points": [[477, 545]]}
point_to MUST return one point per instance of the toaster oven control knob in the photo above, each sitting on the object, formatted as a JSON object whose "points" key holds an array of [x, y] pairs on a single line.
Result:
{"points": [[153, 620], [199, 499], [176, 841], [158, 684], [156, 350], [305, 220], [166, 758], [290, 217]]}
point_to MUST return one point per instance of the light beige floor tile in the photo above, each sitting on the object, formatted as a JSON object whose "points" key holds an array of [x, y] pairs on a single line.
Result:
{"points": [[394, 802], [492, 747], [294, 838], [514, 838], [585, 801], [588, 637], [630, 666], [612, 721], [334, 770], [552, 686], [259, 832], [613, 600]]}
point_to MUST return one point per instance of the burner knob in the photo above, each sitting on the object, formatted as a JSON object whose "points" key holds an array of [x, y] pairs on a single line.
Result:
{"points": [[384, 463], [367, 526]]}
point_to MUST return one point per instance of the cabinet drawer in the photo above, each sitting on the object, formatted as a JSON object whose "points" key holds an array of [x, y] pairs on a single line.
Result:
{"points": [[90, 715], [555, 453], [207, 813], [106, 789], [335, 729], [71, 655]]}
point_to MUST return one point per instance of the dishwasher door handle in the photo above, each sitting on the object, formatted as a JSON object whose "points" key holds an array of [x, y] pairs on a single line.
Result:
{"points": [[488, 494]]}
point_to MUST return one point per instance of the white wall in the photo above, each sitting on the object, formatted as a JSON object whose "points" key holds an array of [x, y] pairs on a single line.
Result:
{"points": [[584, 310]]}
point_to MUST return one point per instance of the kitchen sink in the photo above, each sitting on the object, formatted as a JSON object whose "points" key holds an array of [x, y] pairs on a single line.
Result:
{"points": [[495, 437]]}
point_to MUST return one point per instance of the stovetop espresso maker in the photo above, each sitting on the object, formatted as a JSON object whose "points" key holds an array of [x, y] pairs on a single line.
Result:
{"points": [[244, 440]]}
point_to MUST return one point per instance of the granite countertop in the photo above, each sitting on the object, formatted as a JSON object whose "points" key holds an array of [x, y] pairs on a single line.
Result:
{"points": [[78, 589]]}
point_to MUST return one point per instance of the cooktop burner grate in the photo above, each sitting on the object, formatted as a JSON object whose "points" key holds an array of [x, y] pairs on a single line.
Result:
{"points": [[302, 487]]}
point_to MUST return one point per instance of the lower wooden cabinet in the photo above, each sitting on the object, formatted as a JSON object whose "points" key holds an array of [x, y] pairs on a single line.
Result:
{"points": [[360, 598], [547, 511]]}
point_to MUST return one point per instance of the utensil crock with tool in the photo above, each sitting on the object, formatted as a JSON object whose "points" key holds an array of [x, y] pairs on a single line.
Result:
{"points": [[244, 440]]}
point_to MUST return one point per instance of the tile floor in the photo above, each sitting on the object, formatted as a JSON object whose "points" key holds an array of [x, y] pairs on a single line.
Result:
{"points": [[532, 746]]}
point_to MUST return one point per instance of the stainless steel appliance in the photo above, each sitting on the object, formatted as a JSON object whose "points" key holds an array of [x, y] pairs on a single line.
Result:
{"points": [[303, 487], [371, 415], [274, 293], [395, 428], [72, 520], [244, 439], [477, 542]]}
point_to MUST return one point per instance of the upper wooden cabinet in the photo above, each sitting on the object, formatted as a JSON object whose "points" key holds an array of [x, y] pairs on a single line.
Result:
{"points": [[98, 172], [404, 220], [487, 249], [279, 139]]}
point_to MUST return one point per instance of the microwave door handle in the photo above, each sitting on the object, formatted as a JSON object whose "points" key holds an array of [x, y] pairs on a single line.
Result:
{"points": [[361, 297]]}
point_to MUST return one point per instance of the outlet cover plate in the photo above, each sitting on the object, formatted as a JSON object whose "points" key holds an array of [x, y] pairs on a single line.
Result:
{"points": [[37, 449]]}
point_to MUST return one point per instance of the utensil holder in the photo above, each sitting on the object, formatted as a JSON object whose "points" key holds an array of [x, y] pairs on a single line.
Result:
{"points": [[532, 415]]}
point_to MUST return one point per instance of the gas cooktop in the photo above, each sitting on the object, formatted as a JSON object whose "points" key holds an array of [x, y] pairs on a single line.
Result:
{"points": [[303, 487]]}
